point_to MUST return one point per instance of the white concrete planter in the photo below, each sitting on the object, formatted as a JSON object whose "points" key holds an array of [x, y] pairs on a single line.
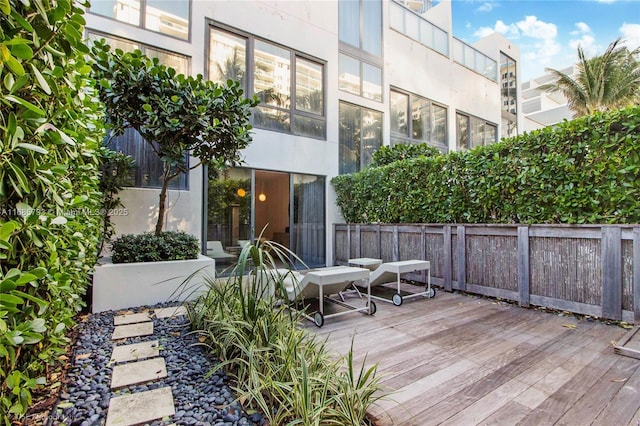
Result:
{"points": [[125, 285]]}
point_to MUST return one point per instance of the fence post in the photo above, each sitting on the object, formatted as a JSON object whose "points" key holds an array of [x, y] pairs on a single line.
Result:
{"points": [[358, 247], [523, 266], [636, 274], [611, 272], [379, 243], [348, 242], [461, 248], [396, 244], [335, 243], [447, 257]]}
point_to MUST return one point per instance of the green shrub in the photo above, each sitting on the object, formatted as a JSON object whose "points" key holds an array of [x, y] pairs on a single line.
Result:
{"points": [[50, 129], [280, 368], [149, 247], [581, 171], [388, 154]]}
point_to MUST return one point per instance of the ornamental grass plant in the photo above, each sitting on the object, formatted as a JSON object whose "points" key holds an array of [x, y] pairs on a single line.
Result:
{"points": [[279, 368]]}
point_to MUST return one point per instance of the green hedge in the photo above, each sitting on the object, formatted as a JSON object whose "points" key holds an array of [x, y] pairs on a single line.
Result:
{"points": [[581, 171], [50, 216], [149, 247]]}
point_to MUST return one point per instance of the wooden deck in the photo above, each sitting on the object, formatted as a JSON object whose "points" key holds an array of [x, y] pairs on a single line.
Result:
{"points": [[465, 360]]}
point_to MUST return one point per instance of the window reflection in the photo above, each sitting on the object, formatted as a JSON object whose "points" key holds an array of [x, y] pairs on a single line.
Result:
{"points": [[399, 107], [309, 96], [227, 57], [349, 74], [166, 17], [415, 119], [272, 74], [360, 132], [371, 82], [473, 131], [271, 81]]}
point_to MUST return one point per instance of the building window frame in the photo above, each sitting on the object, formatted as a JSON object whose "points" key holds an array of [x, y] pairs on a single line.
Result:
{"points": [[142, 20], [362, 83], [406, 137], [294, 112], [363, 26], [471, 121], [509, 95], [364, 156]]}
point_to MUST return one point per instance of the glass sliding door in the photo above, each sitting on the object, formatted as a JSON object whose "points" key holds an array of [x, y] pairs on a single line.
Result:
{"points": [[271, 206], [309, 239], [247, 205], [228, 213]]}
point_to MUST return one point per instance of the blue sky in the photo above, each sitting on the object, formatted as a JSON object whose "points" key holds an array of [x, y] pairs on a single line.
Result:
{"points": [[548, 32]]}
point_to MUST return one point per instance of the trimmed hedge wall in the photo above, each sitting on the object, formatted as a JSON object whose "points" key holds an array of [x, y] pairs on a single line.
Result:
{"points": [[581, 171], [50, 218]]}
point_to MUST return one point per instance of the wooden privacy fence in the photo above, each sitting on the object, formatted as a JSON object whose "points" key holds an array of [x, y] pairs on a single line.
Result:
{"points": [[587, 269]]}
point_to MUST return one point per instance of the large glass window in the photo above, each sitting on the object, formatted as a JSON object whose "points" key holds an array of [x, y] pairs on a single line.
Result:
{"points": [[509, 92], [360, 25], [149, 167], [360, 136], [360, 78], [415, 119], [473, 131], [290, 85], [227, 59], [272, 85], [166, 17]]}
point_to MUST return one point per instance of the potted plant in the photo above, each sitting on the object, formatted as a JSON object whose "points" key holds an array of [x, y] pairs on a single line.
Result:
{"points": [[175, 115]]}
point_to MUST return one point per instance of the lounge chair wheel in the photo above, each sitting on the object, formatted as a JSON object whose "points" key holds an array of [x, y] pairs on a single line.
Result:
{"points": [[397, 299], [431, 293], [318, 318], [372, 307]]}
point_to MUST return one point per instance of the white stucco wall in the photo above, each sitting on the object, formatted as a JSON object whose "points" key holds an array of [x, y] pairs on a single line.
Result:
{"points": [[311, 28]]}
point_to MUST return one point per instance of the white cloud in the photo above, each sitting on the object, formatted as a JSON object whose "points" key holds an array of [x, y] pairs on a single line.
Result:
{"points": [[588, 44], [581, 28], [532, 27], [485, 7], [509, 31], [630, 33]]}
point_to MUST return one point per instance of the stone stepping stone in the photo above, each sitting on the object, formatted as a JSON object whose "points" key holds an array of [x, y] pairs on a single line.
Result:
{"points": [[131, 318], [138, 372], [132, 330], [140, 407], [135, 351], [172, 311]]}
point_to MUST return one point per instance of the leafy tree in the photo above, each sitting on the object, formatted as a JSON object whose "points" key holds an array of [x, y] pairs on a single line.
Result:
{"points": [[606, 82], [175, 114]]}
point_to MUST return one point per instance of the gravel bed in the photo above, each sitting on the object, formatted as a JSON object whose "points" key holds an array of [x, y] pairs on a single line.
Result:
{"points": [[200, 398]]}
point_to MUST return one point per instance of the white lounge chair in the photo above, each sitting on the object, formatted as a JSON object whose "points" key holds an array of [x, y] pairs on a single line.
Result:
{"points": [[389, 272], [215, 251], [320, 284]]}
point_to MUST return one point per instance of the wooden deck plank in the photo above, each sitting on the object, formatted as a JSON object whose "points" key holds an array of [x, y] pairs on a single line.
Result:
{"points": [[621, 409], [597, 383], [467, 360], [509, 414], [515, 389]]}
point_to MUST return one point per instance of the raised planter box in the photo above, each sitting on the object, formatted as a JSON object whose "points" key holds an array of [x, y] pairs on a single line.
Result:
{"points": [[125, 285]]}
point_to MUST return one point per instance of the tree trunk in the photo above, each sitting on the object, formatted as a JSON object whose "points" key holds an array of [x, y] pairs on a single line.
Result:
{"points": [[163, 198]]}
